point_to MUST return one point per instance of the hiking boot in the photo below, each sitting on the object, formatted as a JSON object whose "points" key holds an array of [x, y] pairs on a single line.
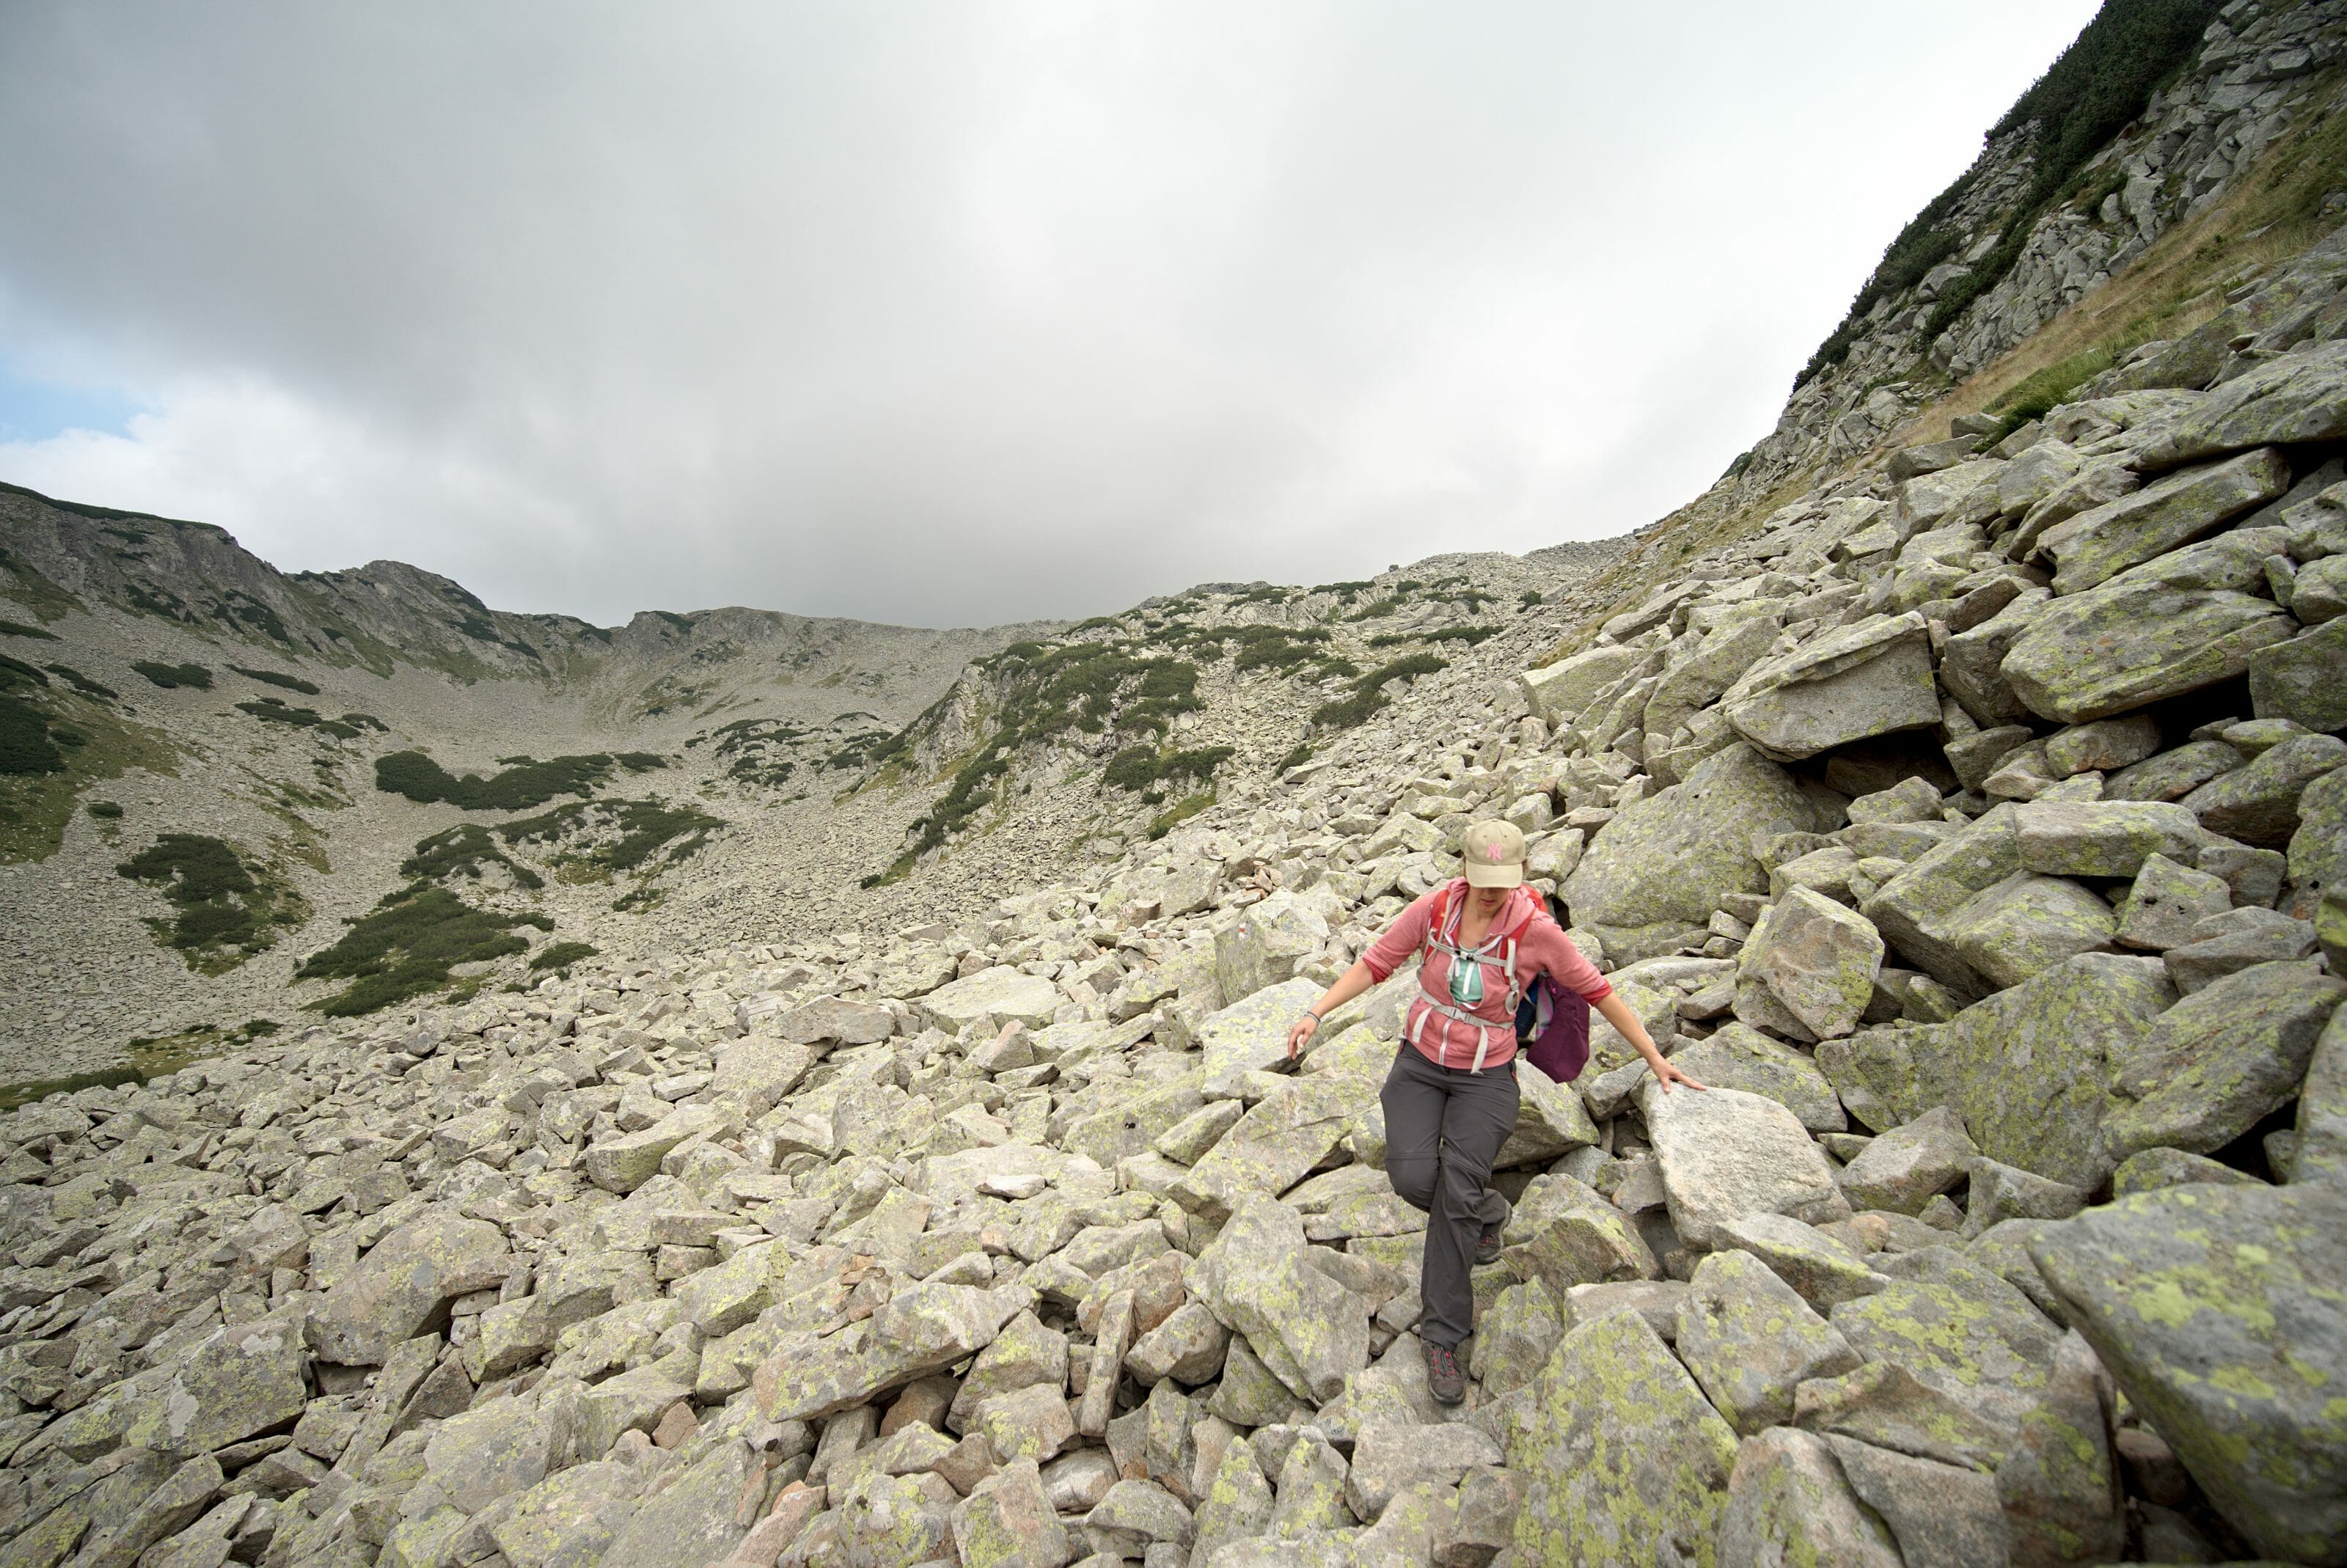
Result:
{"points": [[1444, 1380], [1487, 1245]]}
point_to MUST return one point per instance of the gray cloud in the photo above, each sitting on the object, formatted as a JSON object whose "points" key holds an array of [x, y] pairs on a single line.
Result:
{"points": [[948, 313]]}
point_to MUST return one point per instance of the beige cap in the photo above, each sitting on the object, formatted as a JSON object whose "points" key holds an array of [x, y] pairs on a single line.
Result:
{"points": [[1495, 853]]}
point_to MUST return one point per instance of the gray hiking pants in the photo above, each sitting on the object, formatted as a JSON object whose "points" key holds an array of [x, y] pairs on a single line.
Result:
{"points": [[1444, 1126]]}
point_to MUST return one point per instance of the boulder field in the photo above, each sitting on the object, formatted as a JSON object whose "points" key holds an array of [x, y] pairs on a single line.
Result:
{"points": [[1976, 827]]}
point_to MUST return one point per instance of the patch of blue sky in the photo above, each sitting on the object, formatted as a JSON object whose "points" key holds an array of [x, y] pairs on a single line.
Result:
{"points": [[33, 408]]}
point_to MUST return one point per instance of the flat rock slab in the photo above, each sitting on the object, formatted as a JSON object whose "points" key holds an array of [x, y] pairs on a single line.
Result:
{"points": [[2134, 641], [1725, 1155], [1626, 1460], [2103, 838], [992, 997], [403, 1286], [2098, 543], [1868, 678]]}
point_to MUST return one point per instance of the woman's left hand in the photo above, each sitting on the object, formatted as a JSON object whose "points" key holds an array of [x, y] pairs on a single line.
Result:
{"points": [[1666, 1075]]}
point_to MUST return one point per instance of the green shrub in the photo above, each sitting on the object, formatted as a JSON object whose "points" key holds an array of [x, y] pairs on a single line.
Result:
{"points": [[105, 810], [18, 628], [1297, 758], [518, 788], [222, 912], [272, 677], [2049, 389], [1180, 812], [83, 684], [628, 833], [1368, 694], [1142, 768], [26, 747], [405, 946], [271, 710], [562, 955], [16, 673], [171, 677], [463, 850]]}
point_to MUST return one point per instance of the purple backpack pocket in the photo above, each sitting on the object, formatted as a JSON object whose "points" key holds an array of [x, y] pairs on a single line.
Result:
{"points": [[1555, 1037]]}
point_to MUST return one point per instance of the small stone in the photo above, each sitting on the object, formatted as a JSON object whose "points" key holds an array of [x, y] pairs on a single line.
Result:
{"points": [[1818, 959], [2165, 903], [2105, 745], [1908, 1165]]}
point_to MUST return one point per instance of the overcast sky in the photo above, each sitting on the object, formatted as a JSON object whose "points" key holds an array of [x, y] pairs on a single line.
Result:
{"points": [[943, 313]]}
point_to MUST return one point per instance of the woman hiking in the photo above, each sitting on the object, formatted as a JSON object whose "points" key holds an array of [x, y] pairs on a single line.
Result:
{"points": [[1451, 1097]]}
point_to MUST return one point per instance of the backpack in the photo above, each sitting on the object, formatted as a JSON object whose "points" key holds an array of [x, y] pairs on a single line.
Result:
{"points": [[1552, 1022]]}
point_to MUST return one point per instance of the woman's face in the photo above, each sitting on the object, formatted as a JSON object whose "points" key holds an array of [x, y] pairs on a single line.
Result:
{"points": [[1487, 900]]}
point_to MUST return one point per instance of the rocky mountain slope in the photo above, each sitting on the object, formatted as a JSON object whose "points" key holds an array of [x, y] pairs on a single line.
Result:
{"points": [[1971, 820]]}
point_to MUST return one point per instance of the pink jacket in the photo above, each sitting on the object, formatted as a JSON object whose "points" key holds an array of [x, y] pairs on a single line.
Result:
{"points": [[1540, 948]]}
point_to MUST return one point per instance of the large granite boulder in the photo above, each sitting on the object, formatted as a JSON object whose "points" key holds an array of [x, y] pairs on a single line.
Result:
{"points": [[1914, 909], [1789, 1502], [1725, 1154], [2223, 1059], [2027, 924], [1738, 1057], [1908, 1166], [1251, 1034], [2321, 1152], [2298, 397], [1696, 678], [2103, 838], [2218, 1311], [1869, 678], [1627, 1461], [1817, 958], [1273, 1146], [1310, 1331], [992, 997], [2136, 639], [1957, 1327], [2032, 1071], [2177, 508], [1658, 870], [1749, 1340], [1562, 1233], [1559, 691], [402, 1286], [235, 1382], [2298, 679], [1264, 943], [2259, 803]]}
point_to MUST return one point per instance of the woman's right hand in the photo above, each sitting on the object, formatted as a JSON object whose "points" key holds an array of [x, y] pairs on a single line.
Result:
{"points": [[1301, 1033]]}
